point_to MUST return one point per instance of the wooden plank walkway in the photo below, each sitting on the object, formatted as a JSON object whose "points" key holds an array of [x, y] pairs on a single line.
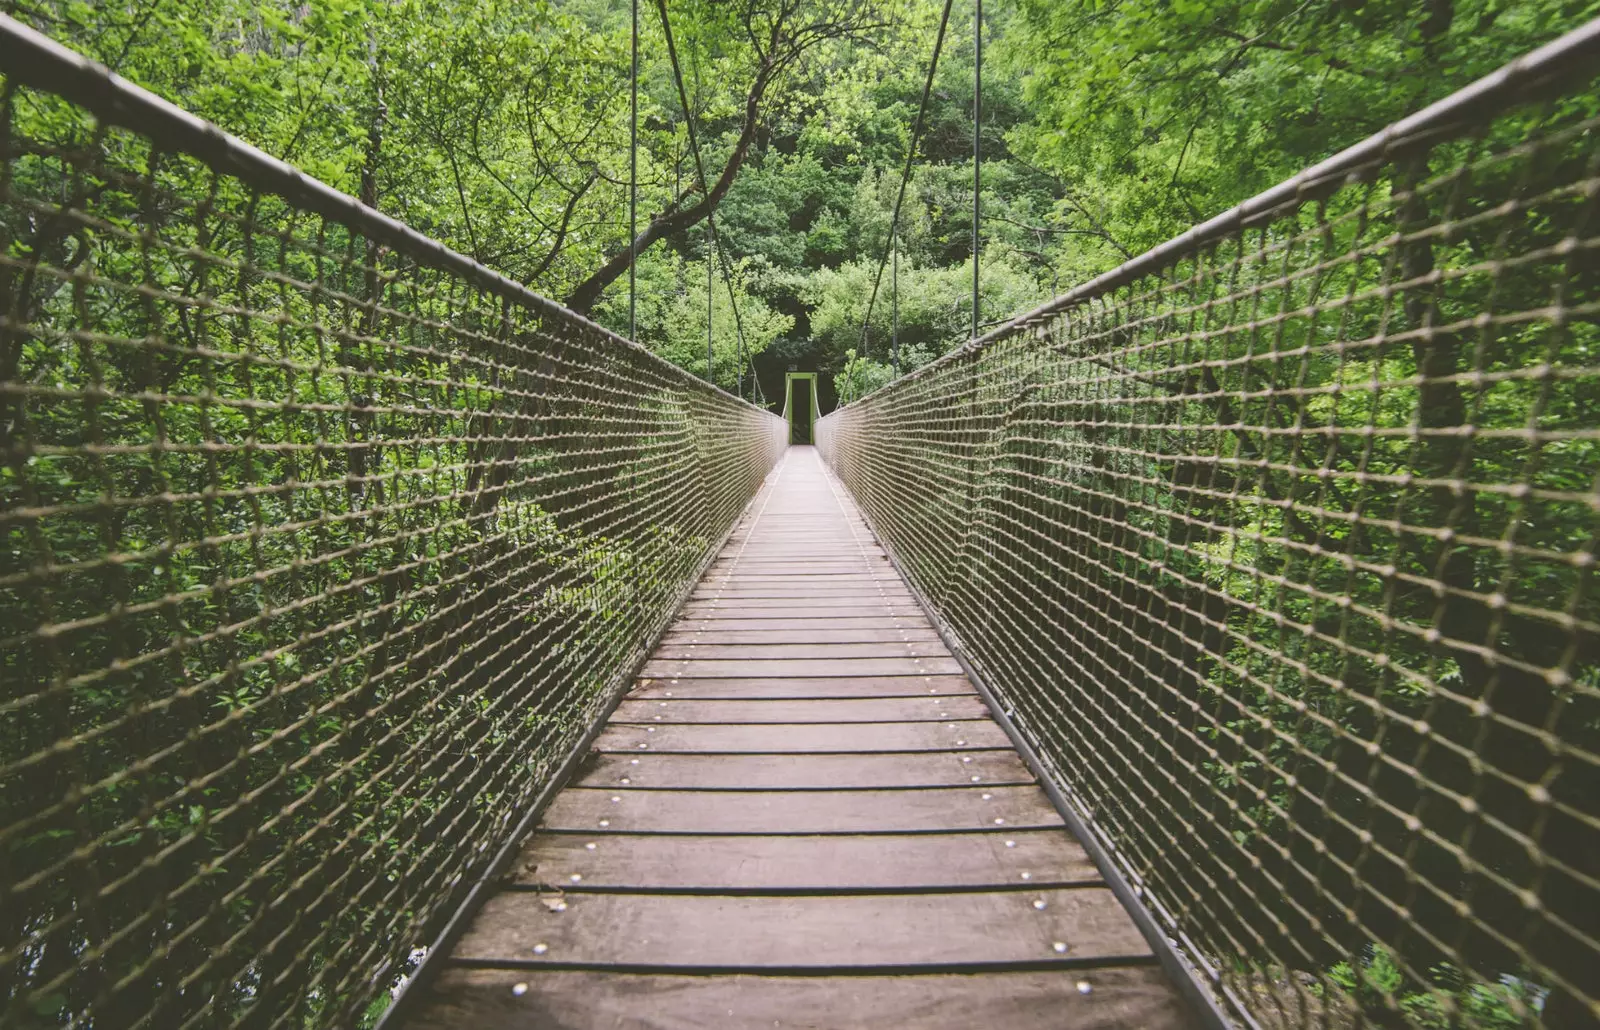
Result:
{"points": [[802, 816]]}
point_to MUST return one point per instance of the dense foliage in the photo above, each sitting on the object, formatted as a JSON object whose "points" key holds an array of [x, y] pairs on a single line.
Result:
{"points": [[502, 128]]}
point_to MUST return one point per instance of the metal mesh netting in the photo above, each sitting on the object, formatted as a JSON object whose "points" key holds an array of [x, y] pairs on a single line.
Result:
{"points": [[1277, 544], [317, 558]]}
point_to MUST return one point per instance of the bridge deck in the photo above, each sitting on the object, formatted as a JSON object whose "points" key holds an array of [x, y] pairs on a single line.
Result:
{"points": [[802, 815]]}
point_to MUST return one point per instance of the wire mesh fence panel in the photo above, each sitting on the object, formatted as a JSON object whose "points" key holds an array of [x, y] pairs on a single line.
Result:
{"points": [[1277, 544], [317, 557]]}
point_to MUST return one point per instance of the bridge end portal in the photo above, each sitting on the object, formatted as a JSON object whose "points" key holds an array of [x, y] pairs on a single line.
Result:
{"points": [[800, 405]]}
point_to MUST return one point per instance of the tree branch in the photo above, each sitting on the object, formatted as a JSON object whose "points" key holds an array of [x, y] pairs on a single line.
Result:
{"points": [[782, 50]]}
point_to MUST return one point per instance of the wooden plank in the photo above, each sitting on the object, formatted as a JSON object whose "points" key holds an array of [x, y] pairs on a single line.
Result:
{"points": [[737, 622], [810, 567], [972, 807], [807, 572], [799, 738], [876, 610], [732, 864], [825, 586], [763, 652], [783, 633], [811, 564], [716, 932], [1118, 998], [922, 708], [758, 555], [800, 584], [800, 687], [781, 548], [757, 551], [767, 668], [831, 541], [796, 591], [749, 579], [796, 573], [803, 771], [803, 607], [782, 596]]}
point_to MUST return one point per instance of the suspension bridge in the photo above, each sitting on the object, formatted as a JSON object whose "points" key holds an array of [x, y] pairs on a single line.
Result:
{"points": [[1214, 645]]}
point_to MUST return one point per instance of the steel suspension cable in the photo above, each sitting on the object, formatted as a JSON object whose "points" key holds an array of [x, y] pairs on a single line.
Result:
{"points": [[905, 175], [894, 298], [977, 153], [711, 221], [633, 184]]}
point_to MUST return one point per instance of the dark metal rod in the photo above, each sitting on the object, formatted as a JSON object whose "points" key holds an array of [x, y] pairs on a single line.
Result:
{"points": [[633, 184], [715, 248], [905, 175], [977, 152], [894, 296], [34, 59], [710, 295], [1574, 52]]}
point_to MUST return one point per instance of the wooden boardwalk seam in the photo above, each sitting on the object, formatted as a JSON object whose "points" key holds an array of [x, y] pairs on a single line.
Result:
{"points": [[802, 816]]}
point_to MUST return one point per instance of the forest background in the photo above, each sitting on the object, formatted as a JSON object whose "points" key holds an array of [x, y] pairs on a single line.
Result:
{"points": [[502, 128]]}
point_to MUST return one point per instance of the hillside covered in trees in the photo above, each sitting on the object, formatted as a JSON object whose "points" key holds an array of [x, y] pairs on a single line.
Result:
{"points": [[503, 129]]}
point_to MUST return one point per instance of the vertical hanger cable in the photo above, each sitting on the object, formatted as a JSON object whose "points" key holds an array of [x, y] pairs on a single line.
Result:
{"points": [[905, 174], [977, 155]]}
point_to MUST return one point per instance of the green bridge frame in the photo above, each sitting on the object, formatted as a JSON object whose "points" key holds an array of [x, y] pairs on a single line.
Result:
{"points": [[789, 379]]}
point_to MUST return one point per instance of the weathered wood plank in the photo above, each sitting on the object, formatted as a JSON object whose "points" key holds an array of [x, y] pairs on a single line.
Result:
{"points": [[870, 709], [838, 575], [791, 738], [780, 549], [787, 633], [865, 593], [926, 861], [804, 570], [684, 651], [764, 553], [755, 668], [808, 612], [1136, 998], [803, 771], [820, 628], [800, 586], [800, 607], [719, 932], [973, 807], [796, 580], [801, 687]]}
